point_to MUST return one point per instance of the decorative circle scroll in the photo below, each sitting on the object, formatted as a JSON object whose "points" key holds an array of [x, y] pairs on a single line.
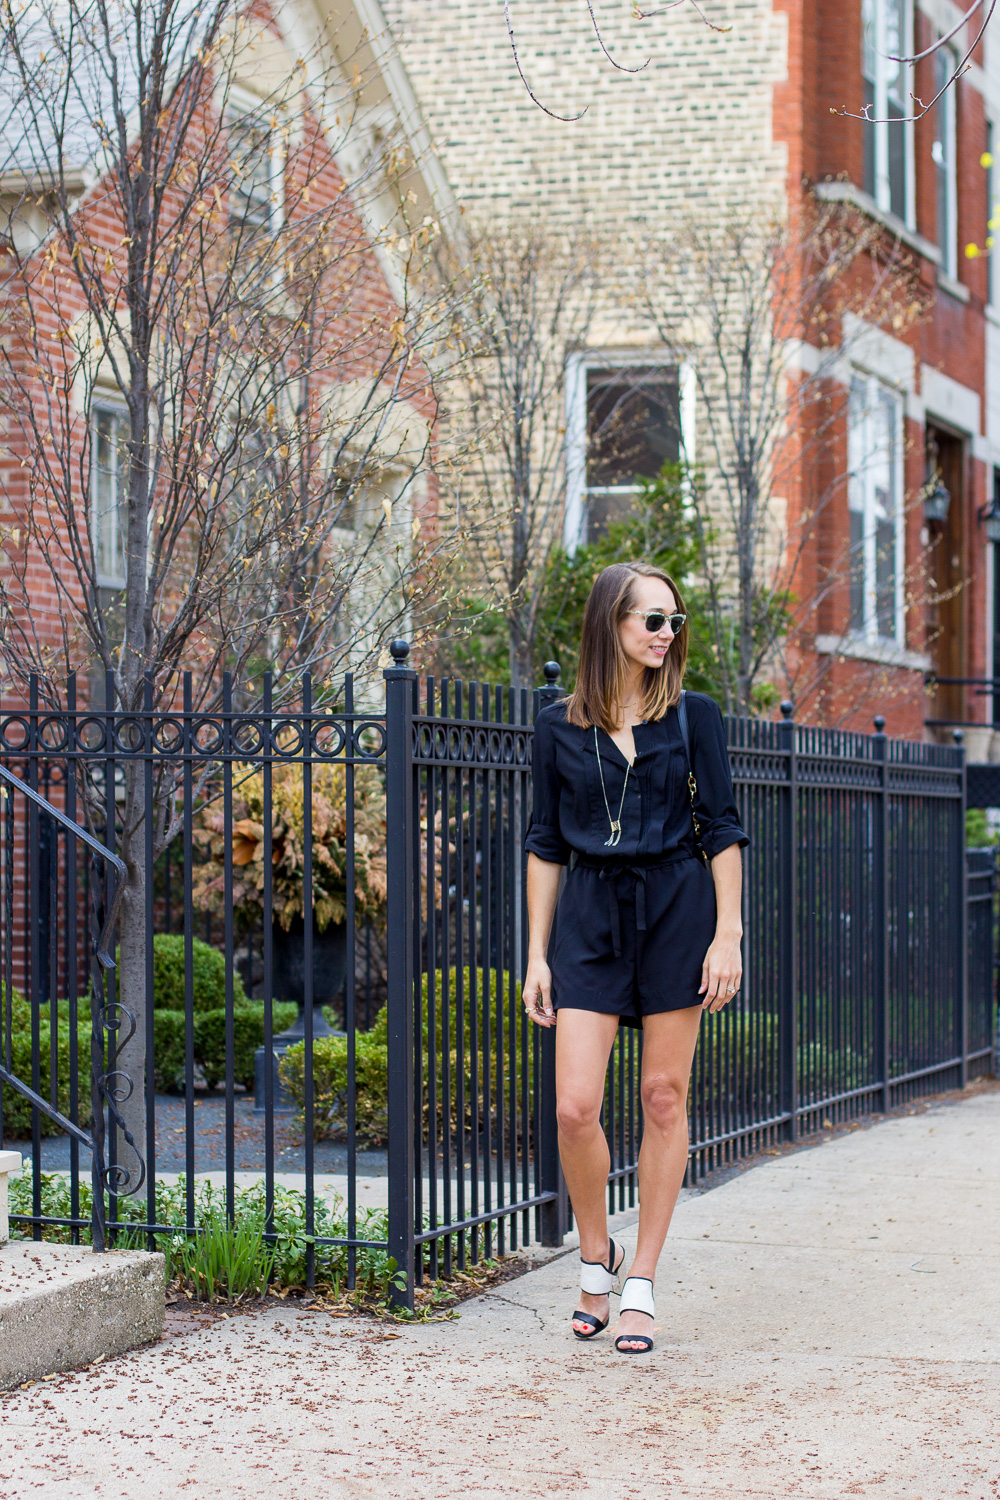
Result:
{"points": [[129, 736], [53, 734], [369, 739], [15, 743], [248, 737], [91, 733], [328, 740], [287, 739], [168, 736], [207, 737]]}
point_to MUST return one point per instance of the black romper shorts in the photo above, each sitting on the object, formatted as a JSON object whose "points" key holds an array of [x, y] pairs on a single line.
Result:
{"points": [[633, 923]]}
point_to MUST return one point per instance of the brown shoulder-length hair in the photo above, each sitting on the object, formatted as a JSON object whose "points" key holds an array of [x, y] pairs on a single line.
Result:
{"points": [[603, 672]]}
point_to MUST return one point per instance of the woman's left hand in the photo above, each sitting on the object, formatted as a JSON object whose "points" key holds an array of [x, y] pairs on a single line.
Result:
{"points": [[721, 973]]}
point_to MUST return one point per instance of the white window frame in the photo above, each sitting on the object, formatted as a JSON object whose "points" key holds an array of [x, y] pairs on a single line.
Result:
{"points": [[992, 238], [577, 365], [882, 124], [98, 521], [861, 486], [241, 103], [944, 156]]}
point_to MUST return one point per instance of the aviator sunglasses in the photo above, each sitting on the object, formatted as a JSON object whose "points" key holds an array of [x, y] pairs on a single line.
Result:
{"points": [[654, 620]]}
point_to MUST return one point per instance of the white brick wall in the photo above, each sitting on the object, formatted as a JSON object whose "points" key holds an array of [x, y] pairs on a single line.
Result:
{"points": [[693, 126]]}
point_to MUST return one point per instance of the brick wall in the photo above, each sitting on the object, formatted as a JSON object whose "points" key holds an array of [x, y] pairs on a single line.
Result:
{"points": [[694, 126], [761, 112]]}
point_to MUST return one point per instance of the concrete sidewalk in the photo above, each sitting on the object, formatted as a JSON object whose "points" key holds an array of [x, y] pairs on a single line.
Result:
{"points": [[827, 1327]]}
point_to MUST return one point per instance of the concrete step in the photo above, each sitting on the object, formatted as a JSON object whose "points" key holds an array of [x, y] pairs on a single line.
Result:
{"points": [[62, 1306], [10, 1163]]}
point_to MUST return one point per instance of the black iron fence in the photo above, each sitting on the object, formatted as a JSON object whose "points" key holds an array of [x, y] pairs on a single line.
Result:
{"points": [[420, 1132]]}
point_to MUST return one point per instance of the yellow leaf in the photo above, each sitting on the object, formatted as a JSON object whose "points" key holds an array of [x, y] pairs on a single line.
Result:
{"points": [[986, 160], [971, 251], [387, 507]]}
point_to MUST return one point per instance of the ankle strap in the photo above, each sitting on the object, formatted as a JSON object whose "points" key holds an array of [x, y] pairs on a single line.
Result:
{"points": [[637, 1295]]}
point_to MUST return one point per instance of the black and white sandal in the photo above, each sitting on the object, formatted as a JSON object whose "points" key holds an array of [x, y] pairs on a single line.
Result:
{"points": [[598, 1280], [637, 1296]]}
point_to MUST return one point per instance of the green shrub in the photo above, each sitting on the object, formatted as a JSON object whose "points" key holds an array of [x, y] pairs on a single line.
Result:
{"points": [[168, 1050], [208, 975], [20, 1012], [248, 1035], [16, 1109], [371, 1063], [330, 1081], [210, 1043]]}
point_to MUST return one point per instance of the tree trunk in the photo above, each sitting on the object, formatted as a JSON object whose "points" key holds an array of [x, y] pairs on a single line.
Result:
{"points": [[133, 938], [521, 664]]}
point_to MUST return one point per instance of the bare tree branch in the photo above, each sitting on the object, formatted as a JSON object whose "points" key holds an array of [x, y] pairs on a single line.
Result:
{"points": [[960, 68]]}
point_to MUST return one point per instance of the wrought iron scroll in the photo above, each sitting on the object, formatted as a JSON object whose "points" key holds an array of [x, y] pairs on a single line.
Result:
{"points": [[109, 1086]]}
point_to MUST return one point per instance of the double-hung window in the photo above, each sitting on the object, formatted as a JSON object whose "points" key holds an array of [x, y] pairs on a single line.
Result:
{"points": [[888, 137], [256, 168], [875, 502], [943, 155], [109, 495], [623, 424]]}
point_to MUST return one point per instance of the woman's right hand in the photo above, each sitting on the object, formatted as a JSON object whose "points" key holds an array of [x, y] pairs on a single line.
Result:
{"points": [[537, 993]]}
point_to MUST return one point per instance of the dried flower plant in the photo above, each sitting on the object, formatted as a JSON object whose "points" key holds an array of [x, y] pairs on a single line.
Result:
{"points": [[329, 846]]}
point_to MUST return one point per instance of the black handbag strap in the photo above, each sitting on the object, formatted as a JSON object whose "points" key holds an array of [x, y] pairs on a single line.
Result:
{"points": [[682, 719]]}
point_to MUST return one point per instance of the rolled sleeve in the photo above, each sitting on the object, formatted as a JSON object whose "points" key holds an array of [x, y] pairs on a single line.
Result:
{"points": [[544, 836], [715, 801]]}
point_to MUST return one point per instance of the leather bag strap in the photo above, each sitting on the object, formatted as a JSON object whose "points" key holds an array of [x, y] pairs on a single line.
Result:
{"points": [[682, 719]]}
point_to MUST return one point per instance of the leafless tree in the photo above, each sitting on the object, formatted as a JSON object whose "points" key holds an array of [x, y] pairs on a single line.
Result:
{"points": [[764, 311], [524, 297], [638, 13], [216, 414]]}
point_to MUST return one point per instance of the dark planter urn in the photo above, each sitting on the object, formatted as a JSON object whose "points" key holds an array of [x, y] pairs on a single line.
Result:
{"points": [[329, 967]]}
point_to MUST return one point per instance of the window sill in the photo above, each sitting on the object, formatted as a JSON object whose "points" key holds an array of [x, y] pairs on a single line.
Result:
{"points": [[848, 192], [883, 652], [992, 314], [953, 288]]}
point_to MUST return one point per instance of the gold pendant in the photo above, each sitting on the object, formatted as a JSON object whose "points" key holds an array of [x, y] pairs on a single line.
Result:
{"points": [[616, 833]]}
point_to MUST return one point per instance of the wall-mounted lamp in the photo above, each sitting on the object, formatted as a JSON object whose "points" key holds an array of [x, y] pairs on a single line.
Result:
{"points": [[937, 500], [990, 517]]}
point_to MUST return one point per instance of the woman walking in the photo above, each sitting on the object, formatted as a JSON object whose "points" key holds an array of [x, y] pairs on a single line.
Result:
{"points": [[632, 789]]}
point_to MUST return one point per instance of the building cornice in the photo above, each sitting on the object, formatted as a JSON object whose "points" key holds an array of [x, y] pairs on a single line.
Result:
{"points": [[882, 652], [849, 192]]}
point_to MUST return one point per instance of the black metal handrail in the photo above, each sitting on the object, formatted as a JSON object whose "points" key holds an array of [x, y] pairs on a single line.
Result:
{"points": [[104, 1016]]}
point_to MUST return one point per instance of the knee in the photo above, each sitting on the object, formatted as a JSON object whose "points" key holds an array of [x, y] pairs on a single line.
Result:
{"points": [[664, 1102], [576, 1116]]}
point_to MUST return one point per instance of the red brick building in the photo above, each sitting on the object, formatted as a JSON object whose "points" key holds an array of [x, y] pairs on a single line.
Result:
{"points": [[294, 155], [929, 183], [767, 111]]}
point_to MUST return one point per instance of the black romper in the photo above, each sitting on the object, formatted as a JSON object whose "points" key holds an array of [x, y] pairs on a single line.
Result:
{"points": [[634, 923]]}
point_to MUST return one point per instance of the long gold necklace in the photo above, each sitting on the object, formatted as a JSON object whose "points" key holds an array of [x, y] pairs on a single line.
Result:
{"points": [[616, 823]]}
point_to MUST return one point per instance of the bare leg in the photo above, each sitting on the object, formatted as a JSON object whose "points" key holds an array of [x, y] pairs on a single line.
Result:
{"points": [[583, 1045], [667, 1052]]}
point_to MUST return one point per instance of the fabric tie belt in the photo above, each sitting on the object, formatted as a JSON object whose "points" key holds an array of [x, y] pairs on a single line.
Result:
{"points": [[610, 872]]}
